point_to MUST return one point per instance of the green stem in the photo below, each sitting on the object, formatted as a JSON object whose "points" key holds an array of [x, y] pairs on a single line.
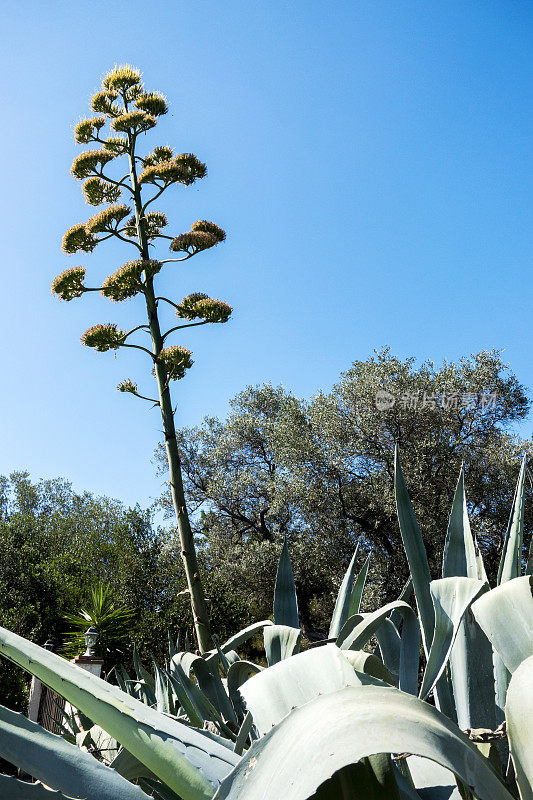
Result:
{"points": [[188, 550]]}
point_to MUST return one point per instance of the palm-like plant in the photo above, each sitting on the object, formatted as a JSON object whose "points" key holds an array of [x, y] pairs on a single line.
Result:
{"points": [[113, 623]]}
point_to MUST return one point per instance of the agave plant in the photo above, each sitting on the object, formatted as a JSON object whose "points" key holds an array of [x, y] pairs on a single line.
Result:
{"points": [[334, 721]]}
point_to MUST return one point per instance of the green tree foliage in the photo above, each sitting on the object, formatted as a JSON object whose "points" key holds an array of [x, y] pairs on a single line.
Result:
{"points": [[322, 473], [57, 545]]}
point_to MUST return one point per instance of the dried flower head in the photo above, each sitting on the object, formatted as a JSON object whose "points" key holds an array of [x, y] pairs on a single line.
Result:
{"points": [[108, 219], [97, 191], [209, 227], [184, 169], [78, 238], [103, 337], [127, 385], [133, 121], [85, 130], [86, 163], [158, 155], [127, 281], [121, 77], [176, 360], [103, 103], [153, 103], [69, 284], [117, 145], [200, 306]]}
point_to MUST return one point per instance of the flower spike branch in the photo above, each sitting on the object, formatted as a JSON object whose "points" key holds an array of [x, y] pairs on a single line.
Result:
{"points": [[129, 110]]}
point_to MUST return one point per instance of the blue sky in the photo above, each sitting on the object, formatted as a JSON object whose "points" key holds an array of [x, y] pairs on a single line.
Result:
{"points": [[370, 161]]}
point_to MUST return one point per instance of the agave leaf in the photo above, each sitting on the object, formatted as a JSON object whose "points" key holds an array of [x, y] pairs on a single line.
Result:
{"points": [[273, 693], [129, 767], [471, 663], [13, 789], [416, 554], [410, 640], [341, 612], [58, 764], [506, 616], [459, 558], [240, 637], [161, 691], [238, 674], [185, 760], [210, 683], [194, 703], [358, 588], [432, 781], [369, 664], [405, 595], [389, 645], [348, 725], [285, 602], [451, 597], [244, 732], [519, 713], [372, 778], [281, 642], [511, 560]]}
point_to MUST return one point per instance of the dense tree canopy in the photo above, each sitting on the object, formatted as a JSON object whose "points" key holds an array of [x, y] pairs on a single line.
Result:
{"points": [[56, 545], [321, 472]]}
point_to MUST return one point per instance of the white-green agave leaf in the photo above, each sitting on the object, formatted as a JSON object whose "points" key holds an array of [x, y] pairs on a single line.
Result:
{"points": [[511, 560], [409, 646], [349, 597], [285, 602], [271, 694], [519, 715], [325, 735], [58, 764], [506, 616], [342, 604], [415, 551], [459, 559], [13, 789], [281, 642], [451, 598], [432, 781], [239, 638], [181, 757]]}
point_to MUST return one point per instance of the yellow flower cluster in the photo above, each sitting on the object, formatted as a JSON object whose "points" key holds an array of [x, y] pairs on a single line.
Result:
{"points": [[78, 238], [127, 385], [202, 236], [153, 103], [87, 162], [69, 284], [108, 219], [126, 282], [103, 337], [176, 360], [158, 155], [97, 191], [136, 121], [184, 169], [121, 77], [200, 306], [103, 103], [87, 129]]}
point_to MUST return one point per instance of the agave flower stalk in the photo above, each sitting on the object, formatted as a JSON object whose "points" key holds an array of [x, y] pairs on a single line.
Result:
{"points": [[130, 111]]}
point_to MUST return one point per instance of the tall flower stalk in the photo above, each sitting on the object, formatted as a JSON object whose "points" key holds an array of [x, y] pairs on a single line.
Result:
{"points": [[130, 110]]}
